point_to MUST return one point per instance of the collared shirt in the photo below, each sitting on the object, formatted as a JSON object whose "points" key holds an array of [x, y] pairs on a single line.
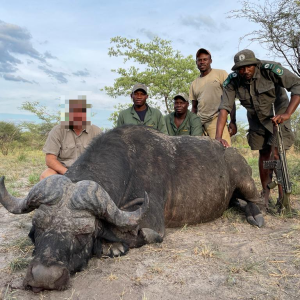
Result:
{"points": [[67, 145], [191, 125], [153, 118], [207, 91], [257, 96]]}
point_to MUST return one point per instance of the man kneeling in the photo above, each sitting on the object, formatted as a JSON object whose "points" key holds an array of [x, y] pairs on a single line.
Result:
{"points": [[67, 141], [182, 121]]}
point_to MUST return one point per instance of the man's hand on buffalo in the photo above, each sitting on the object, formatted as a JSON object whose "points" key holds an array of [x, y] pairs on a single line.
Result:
{"points": [[223, 142]]}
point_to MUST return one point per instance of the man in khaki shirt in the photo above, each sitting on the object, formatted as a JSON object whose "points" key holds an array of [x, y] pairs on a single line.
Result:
{"points": [[67, 141], [205, 94]]}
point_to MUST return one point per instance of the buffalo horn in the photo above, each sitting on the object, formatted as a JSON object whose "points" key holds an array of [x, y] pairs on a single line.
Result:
{"points": [[92, 197], [46, 191]]}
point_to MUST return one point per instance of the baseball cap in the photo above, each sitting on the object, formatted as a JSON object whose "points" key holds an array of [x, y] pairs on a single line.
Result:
{"points": [[139, 86], [183, 96], [202, 50], [244, 58]]}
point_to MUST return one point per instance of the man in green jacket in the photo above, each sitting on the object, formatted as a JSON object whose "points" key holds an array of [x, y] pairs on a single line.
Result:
{"points": [[141, 113], [182, 121]]}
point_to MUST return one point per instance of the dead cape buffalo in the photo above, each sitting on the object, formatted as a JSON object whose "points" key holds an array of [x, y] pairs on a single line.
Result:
{"points": [[122, 192]]}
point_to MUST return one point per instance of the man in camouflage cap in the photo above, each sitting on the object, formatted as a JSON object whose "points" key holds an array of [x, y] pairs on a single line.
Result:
{"points": [[258, 84], [182, 121], [141, 113]]}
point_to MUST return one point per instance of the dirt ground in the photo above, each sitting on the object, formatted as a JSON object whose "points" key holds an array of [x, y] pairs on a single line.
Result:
{"points": [[223, 259]]}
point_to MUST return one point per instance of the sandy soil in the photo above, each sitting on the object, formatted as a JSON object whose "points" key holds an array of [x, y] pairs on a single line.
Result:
{"points": [[224, 259]]}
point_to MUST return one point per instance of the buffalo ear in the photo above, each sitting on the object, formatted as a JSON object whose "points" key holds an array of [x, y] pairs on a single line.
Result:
{"points": [[97, 247]]}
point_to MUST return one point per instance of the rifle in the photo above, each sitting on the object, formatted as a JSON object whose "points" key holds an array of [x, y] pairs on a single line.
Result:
{"points": [[281, 170]]}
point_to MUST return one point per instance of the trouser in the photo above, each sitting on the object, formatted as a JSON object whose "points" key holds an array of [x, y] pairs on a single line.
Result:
{"points": [[210, 130]]}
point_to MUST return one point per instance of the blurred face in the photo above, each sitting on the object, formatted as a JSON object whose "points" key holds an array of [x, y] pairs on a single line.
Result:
{"points": [[203, 62], [77, 115], [139, 98], [180, 106], [247, 72]]}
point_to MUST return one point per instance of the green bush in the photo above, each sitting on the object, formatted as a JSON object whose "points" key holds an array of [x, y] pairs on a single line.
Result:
{"points": [[9, 134]]}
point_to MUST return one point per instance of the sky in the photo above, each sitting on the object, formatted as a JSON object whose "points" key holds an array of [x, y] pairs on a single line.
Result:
{"points": [[50, 49]]}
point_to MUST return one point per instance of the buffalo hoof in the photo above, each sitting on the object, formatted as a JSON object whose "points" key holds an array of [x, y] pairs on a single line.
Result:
{"points": [[253, 215], [114, 249], [150, 236], [257, 220]]}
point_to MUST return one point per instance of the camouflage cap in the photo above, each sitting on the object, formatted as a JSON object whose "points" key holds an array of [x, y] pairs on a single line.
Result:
{"points": [[183, 96], [244, 58], [202, 50], [139, 86]]}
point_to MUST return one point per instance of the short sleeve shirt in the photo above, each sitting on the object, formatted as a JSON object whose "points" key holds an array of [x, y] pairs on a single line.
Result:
{"points": [[67, 145], [207, 91]]}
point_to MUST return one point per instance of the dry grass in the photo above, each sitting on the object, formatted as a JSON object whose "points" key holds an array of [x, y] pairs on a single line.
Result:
{"points": [[9, 294], [22, 249], [21, 168], [206, 251], [268, 257], [19, 263], [233, 215], [112, 277]]}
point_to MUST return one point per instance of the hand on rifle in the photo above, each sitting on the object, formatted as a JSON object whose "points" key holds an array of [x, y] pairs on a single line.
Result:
{"points": [[280, 118]]}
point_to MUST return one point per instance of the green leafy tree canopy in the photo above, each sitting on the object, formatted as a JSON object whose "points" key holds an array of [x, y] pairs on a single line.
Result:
{"points": [[280, 27], [42, 112], [165, 71]]}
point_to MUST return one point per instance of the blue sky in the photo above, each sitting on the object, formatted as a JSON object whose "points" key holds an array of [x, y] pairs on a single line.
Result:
{"points": [[54, 48]]}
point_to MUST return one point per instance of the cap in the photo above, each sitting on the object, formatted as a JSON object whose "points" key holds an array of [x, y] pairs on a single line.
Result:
{"points": [[183, 96], [202, 50], [244, 58], [139, 86]]}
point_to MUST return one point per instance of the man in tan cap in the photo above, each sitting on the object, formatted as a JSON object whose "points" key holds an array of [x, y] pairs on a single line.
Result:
{"points": [[141, 113], [182, 121], [205, 94], [258, 84]]}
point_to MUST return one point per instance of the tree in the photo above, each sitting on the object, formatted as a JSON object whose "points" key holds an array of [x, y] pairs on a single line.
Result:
{"points": [[165, 70], [42, 112], [240, 138], [280, 28], [49, 118], [35, 134], [295, 124], [9, 133]]}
